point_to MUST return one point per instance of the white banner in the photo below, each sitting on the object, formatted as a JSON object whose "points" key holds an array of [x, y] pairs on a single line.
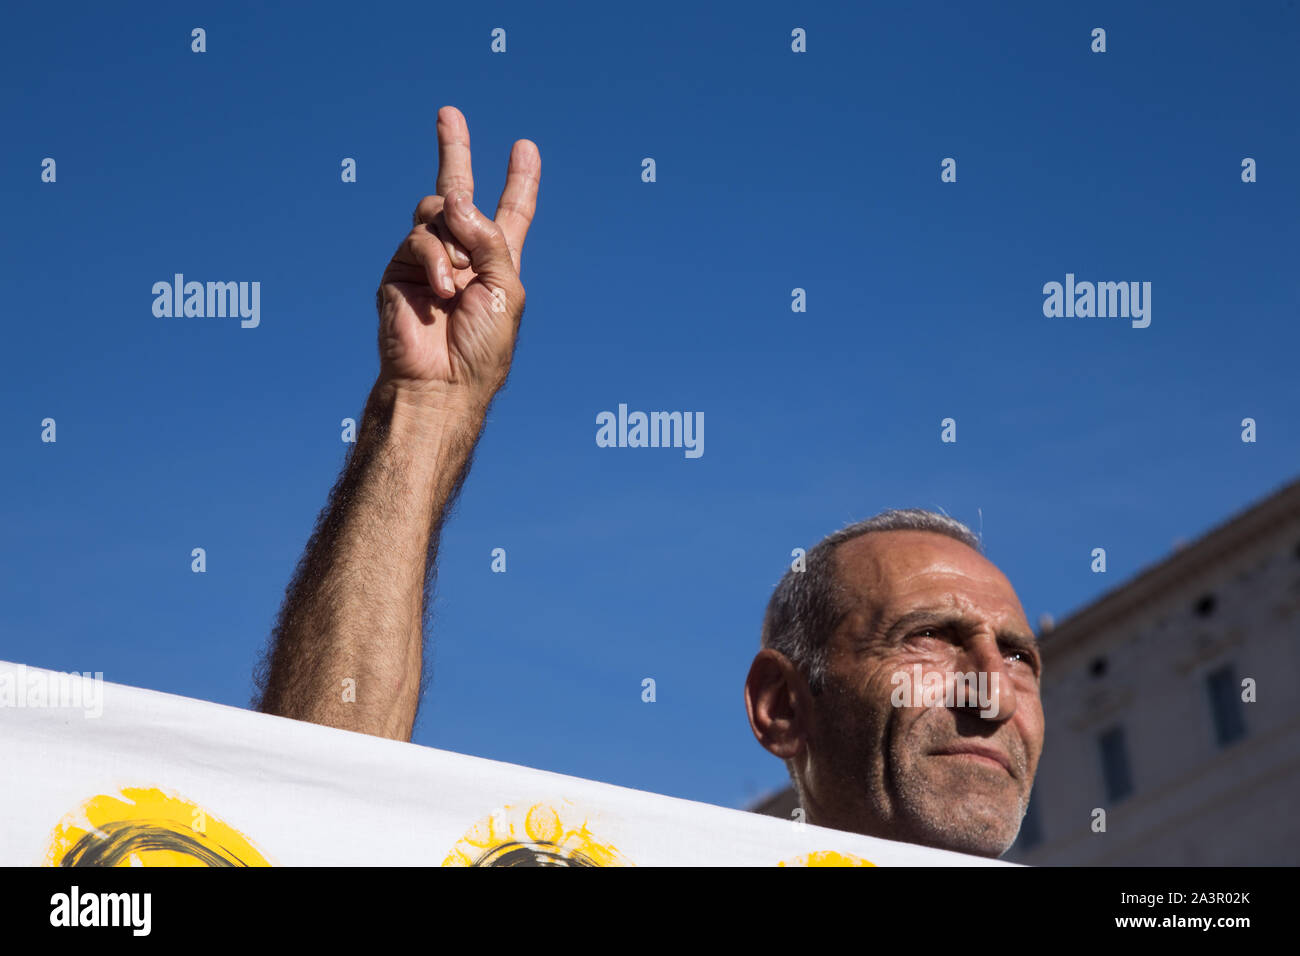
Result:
{"points": [[103, 774]]}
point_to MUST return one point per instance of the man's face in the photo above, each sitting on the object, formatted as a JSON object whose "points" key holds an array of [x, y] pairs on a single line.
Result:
{"points": [[906, 772]]}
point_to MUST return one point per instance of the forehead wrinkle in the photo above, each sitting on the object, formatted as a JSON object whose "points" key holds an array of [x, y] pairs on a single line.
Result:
{"points": [[884, 581], [969, 612], [940, 614], [964, 587]]}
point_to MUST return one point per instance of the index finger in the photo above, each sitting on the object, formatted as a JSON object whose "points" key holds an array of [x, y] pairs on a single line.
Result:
{"points": [[519, 197], [454, 168]]}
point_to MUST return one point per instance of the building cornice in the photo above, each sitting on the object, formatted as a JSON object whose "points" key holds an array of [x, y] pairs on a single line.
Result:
{"points": [[1173, 571]]}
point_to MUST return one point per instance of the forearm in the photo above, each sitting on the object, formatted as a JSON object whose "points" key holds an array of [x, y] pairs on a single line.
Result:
{"points": [[355, 608]]}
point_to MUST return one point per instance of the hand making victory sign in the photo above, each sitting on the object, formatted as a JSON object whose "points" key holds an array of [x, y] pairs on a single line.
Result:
{"points": [[451, 299], [348, 646]]}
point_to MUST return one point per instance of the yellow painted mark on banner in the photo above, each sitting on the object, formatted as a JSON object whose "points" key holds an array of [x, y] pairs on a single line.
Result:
{"points": [[540, 835], [827, 858], [147, 827]]}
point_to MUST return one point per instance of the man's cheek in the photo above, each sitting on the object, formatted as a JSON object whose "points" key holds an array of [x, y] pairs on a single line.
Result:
{"points": [[1031, 733]]}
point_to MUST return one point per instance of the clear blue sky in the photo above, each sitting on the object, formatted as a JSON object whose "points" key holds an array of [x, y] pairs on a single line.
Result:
{"points": [[775, 171]]}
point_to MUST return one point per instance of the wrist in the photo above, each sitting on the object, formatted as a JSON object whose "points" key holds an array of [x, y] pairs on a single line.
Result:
{"points": [[425, 415], [433, 403]]}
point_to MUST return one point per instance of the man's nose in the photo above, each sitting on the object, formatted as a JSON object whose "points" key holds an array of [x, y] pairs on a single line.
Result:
{"points": [[995, 697]]}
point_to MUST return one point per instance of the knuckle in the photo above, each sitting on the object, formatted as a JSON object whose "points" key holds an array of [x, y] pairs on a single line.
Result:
{"points": [[415, 246], [426, 209]]}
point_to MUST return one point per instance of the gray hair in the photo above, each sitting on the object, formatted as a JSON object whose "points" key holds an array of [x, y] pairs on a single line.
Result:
{"points": [[805, 608]]}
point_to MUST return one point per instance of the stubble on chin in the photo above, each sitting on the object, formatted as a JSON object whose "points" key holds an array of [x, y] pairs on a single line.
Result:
{"points": [[941, 801]]}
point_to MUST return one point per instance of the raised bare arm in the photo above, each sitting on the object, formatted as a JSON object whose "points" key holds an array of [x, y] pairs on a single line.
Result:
{"points": [[347, 649]]}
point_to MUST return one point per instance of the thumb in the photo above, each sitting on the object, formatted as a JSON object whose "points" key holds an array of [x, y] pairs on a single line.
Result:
{"points": [[482, 238]]}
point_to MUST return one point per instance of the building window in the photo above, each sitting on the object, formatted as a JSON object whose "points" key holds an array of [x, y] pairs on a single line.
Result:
{"points": [[1226, 706], [1205, 606], [1031, 828], [1114, 765]]}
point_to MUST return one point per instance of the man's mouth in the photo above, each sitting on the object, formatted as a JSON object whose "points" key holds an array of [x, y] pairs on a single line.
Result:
{"points": [[975, 753]]}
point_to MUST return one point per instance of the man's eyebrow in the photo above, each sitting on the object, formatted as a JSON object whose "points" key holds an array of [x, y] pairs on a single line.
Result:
{"points": [[940, 616], [926, 615], [1016, 637]]}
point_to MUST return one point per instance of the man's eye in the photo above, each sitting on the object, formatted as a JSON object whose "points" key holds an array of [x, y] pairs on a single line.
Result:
{"points": [[1023, 656]]}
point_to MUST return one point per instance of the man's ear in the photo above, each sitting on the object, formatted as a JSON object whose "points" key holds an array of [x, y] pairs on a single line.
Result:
{"points": [[779, 704]]}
